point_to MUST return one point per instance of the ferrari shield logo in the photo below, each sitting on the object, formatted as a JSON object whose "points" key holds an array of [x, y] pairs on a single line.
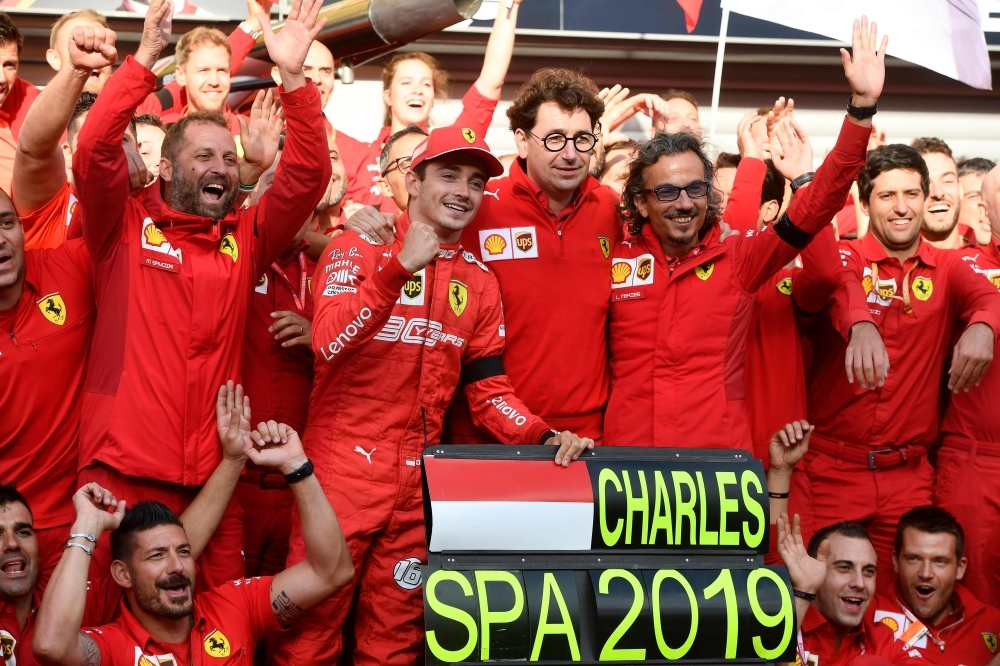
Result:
{"points": [[53, 308], [991, 641], [229, 247], [785, 286], [217, 645], [605, 245], [705, 270], [458, 297], [469, 135], [922, 288]]}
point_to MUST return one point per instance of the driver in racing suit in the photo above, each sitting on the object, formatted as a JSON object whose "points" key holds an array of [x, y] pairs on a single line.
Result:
{"points": [[396, 330]]}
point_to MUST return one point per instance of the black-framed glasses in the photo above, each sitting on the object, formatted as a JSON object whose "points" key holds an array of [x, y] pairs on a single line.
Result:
{"points": [[695, 190], [401, 163], [556, 141]]}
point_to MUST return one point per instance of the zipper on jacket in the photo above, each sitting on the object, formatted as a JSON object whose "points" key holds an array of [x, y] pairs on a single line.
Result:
{"points": [[423, 417], [561, 253]]}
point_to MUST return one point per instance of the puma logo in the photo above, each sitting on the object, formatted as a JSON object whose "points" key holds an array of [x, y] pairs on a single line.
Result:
{"points": [[495, 195], [366, 454]]}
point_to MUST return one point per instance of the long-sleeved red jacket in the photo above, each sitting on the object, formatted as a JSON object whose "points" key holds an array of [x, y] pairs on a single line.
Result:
{"points": [[173, 289], [391, 347], [679, 326], [917, 307]]}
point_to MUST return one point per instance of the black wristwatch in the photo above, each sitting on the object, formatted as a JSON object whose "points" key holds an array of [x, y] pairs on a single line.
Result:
{"points": [[861, 112], [300, 473], [808, 596], [801, 180]]}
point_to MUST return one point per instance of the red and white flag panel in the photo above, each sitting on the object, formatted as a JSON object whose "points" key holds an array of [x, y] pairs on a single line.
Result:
{"points": [[509, 505]]}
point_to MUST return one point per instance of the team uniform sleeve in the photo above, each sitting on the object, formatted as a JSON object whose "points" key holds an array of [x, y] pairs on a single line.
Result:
{"points": [[978, 301], [492, 402], [251, 598], [355, 299], [104, 598], [743, 208], [477, 111], [100, 170], [300, 180], [760, 255]]}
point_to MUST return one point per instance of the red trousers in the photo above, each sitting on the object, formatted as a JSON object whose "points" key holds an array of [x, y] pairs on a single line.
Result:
{"points": [[51, 542], [967, 486], [380, 508], [267, 522], [826, 491], [222, 559]]}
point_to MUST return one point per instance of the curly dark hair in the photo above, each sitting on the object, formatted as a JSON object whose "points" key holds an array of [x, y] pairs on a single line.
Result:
{"points": [[650, 152], [568, 89], [888, 158]]}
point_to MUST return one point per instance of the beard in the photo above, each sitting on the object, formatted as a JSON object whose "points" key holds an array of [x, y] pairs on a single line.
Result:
{"points": [[147, 597], [941, 231], [334, 194], [184, 195], [681, 238]]}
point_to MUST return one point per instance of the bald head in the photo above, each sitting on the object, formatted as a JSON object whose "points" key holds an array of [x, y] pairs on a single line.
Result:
{"points": [[319, 67], [989, 205]]}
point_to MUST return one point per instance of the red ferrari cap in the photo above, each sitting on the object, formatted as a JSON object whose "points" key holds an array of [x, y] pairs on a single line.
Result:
{"points": [[452, 139]]}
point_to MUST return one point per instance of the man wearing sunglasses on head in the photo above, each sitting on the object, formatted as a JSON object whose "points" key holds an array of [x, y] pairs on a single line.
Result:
{"points": [[682, 296]]}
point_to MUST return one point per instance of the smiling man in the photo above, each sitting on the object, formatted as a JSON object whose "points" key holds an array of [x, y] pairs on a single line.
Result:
{"points": [[16, 97], [929, 609], [944, 201]]}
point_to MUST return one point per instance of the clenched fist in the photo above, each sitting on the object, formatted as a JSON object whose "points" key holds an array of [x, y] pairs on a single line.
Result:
{"points": [[419, 247], [92, 47]]}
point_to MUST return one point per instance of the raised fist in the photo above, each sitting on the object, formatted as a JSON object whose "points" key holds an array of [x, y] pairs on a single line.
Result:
{"points": [[92, 47], [420, 247]]}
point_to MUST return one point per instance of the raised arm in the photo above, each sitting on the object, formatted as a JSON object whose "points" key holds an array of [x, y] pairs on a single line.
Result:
{"points": [[57, 640], [39, 164], [327, 566], [499, 49], [304, 171], [100, 168]]}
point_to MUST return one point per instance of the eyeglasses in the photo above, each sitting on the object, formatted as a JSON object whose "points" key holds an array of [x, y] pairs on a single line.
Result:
{"points": [[556, 141], [401, 163], [695, 190]]}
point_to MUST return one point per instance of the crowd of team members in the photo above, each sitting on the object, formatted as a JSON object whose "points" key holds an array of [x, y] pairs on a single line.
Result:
{"points": [[170, 263]]}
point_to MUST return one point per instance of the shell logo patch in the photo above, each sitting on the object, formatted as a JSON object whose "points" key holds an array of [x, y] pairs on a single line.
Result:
{"points": [[495, 244], [229, 247], [605, 246], [53, 308], [620, 272], [866, 282], [923, 287], [153, 235], [891, 623], [217, 645], [994, 277], [785, 286], [458, 297], [705, 270], [991, 641], [153, 239], [468, 135]]}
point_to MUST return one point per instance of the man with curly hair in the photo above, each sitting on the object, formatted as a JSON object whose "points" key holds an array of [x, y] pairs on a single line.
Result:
{"points": [[682, 295]]}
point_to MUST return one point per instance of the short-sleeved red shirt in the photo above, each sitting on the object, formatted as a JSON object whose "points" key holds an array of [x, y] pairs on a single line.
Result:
{"points": [[874, 639], [228, 622]]}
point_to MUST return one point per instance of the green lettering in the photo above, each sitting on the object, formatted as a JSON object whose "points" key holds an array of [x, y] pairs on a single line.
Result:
{"points": [[708, 538], [610, 651], [752, 539], [684, 508], [640, 504], [661, 521], [550, 589], [785, 614], [451, 613], [724, 584], [488, 617], [667, 651], [610, 536], [726, 537]]}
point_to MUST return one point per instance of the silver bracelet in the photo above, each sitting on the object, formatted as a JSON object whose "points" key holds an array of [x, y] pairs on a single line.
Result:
{"points": [[85, 549], [89, 537]]}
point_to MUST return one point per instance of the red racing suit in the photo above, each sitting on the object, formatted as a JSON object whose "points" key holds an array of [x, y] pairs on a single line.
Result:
{"points": [[968, 462], [867, 458], [391, 349], [679, 326], [172, 292]]}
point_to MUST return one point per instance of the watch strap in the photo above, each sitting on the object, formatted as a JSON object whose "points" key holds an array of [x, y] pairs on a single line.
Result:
{"points": [[302, 472], [861, 112]]}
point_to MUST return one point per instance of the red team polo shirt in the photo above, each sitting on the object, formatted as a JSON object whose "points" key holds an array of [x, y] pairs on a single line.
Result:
{"points": [[228, 623], [48, 226], [967, 637], [43, 353], [870, 638]]}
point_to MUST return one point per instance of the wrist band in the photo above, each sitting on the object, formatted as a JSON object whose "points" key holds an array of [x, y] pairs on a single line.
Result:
{"points": [[777, 495], [801, 180], [791, 234], [247, 188], [861, 112], [549, 434], [808, 596], [300, 473], [86, 549], [89, 537], [245, 27]]}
